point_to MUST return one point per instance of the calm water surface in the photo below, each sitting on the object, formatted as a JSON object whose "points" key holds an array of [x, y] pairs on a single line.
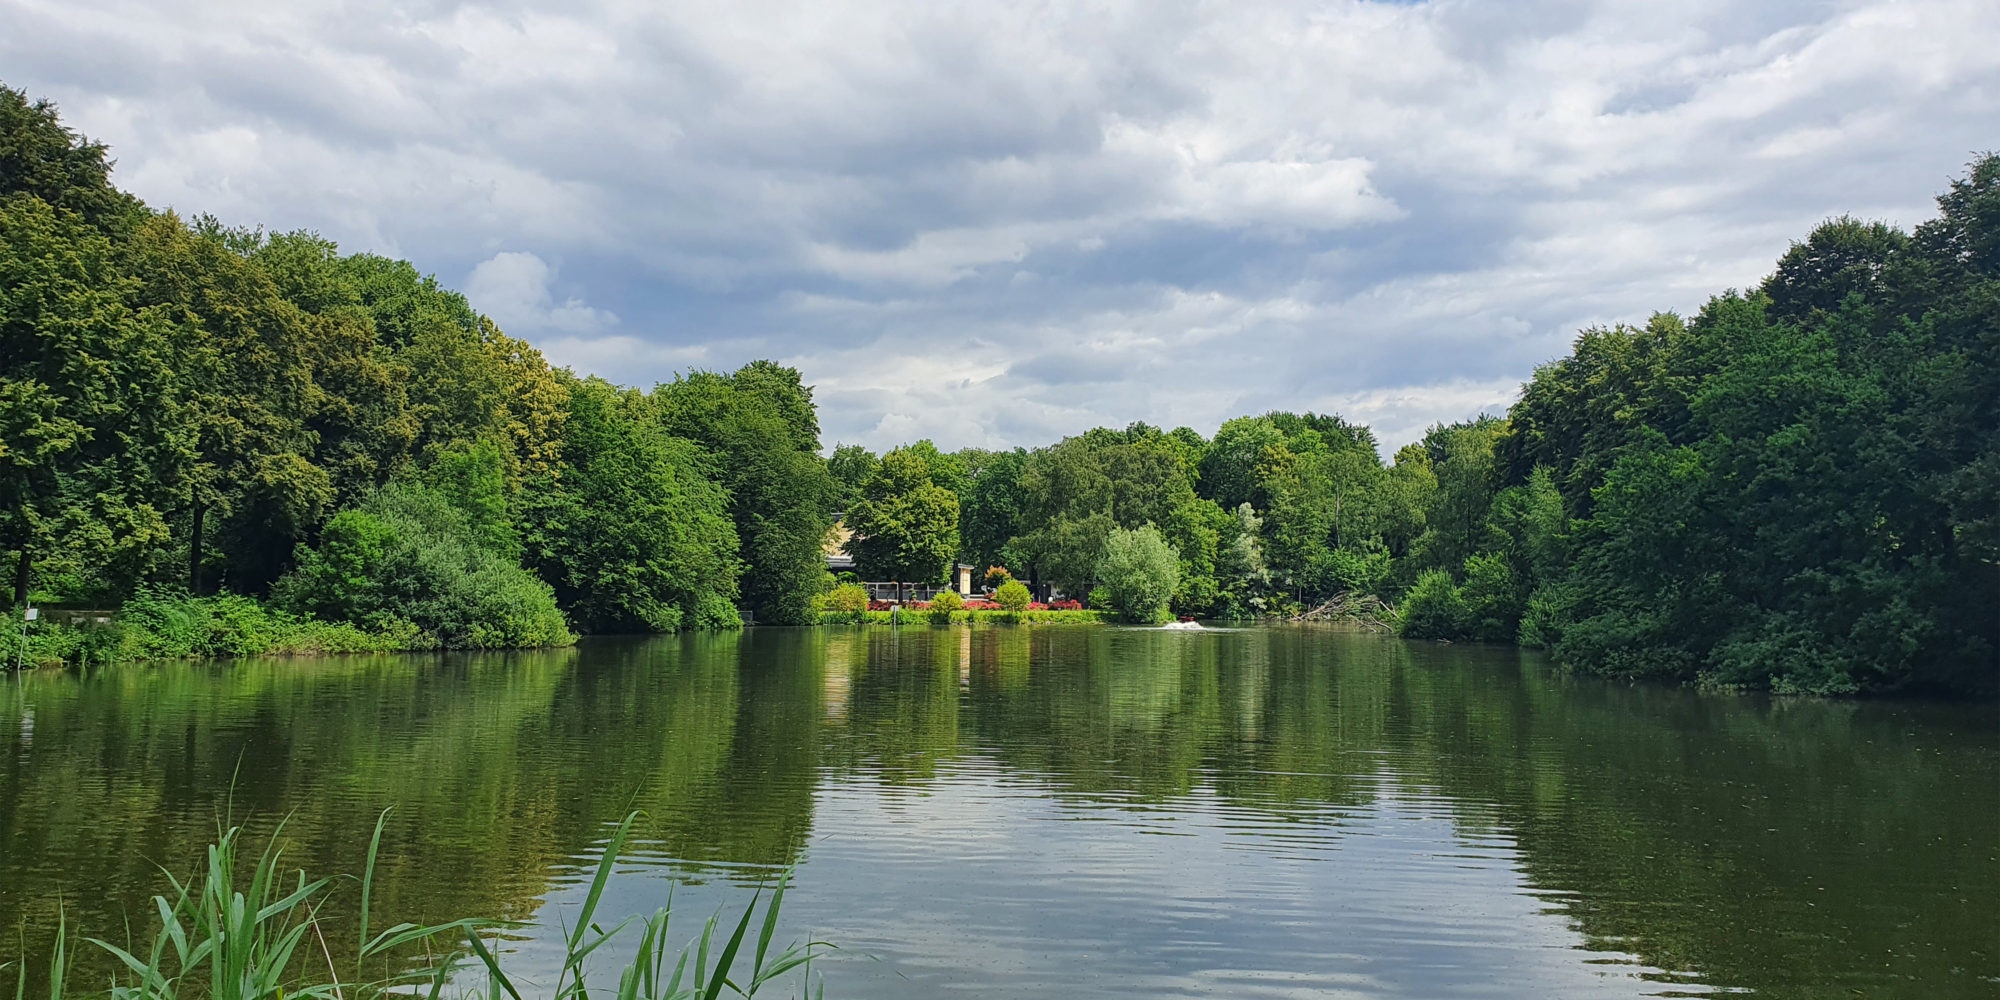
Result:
{"points": [[1013, 812]]}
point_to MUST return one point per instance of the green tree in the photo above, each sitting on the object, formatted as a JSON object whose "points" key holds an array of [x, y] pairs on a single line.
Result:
{"points": [[849, 466], [990, 508], [632, 534], [761, 431], [1142, 572], [92, 429], [42, 160], [906, 526]]}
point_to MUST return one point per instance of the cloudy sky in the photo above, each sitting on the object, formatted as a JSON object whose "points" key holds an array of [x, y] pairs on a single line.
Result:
{"points": [[999, 223]]}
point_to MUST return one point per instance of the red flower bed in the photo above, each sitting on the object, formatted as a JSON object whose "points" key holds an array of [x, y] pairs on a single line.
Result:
{"points": [[1066, 606]]}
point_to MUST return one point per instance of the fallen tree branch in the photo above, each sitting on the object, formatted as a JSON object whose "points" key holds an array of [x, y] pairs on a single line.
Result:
{"points": [[1363, 611]]}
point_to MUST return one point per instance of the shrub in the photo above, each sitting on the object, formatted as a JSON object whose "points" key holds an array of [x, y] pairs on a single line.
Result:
{"points": [[1492, 600], [1141, 571], [946, 602], [161, 625], [849, 600], [1099, 598], [1013, 596], [713, 611], [997, 577], [408, 555], [1550, 608], [1433, 609]]}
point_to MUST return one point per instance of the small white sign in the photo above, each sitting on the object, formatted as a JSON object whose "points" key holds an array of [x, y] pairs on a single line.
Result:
{"points": [[34, 613]]}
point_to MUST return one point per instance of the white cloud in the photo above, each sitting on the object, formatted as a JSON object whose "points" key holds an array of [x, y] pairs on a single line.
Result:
{"points": [[513, 287], [999, 223]]}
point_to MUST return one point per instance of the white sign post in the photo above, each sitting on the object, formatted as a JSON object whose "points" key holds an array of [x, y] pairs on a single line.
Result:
{"points": [[20, 651]]}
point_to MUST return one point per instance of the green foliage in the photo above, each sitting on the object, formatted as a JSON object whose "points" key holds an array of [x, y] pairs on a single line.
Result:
{"points": [[1141, 571], [1796, 489], [633, 536], [991, 506], [944, 603], [848, 600], [713, 611], [1073, 494], [408, 557], [1550, 609], [43, 161], [1492, 599], [1013, 596], [1100, 599], [850, 465], [1434, 609], [159, 625], [906, 526], [222, 397], [474, 476], [228, 934], [760, 431]]}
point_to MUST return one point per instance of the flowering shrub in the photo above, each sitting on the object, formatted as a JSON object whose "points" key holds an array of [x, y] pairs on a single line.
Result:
{"points": [[1065, 605]]}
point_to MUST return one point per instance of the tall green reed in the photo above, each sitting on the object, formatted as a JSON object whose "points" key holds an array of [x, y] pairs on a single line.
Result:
{"points": [[219, 940]]}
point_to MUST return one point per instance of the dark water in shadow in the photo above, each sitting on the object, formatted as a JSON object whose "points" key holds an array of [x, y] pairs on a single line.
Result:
{"points": [[1075, 812]]}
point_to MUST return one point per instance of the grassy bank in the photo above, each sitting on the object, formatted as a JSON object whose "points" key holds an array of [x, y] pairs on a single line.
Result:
{"points": [[225, 933], [159, 627], [922, 616]]}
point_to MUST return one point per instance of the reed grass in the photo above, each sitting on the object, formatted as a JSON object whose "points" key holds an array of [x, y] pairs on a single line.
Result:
{"points": [[263, 940]]}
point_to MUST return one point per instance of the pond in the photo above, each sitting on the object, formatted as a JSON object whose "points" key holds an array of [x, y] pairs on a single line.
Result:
{"points": [[1083, 812]]}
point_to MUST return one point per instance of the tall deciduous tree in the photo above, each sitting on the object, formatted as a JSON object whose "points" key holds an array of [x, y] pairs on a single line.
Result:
{"points": [[760, 430], [906, 525], [632, 534]]}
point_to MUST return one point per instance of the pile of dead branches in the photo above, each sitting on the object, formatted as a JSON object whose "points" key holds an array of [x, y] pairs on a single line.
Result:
{"points": [[1362, 611]]}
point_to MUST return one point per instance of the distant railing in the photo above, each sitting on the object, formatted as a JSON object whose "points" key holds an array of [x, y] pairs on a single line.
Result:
{"points": [[77, 616], [912, 592]]}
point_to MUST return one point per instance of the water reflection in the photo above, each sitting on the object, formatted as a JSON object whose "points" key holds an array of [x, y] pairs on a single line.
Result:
{"points": [[1279, 811]]}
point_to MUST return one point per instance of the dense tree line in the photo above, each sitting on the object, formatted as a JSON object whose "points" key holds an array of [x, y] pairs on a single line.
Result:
{"points": [[189, 407], [1797, 489]]}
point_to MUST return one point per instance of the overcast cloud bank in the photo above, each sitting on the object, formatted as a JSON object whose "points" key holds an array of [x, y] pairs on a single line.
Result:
{"points": [[999, 224]]}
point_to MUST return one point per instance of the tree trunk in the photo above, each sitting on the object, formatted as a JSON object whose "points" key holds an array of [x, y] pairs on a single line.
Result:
{"points": [[21, 568], [194, 550]]}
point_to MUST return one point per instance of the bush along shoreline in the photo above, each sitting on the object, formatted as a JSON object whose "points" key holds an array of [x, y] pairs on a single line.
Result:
{"points": [[158, 627]]}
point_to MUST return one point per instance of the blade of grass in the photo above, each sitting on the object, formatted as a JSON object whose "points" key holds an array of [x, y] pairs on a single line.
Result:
{"points": [[770, 925], [367, 890], [492, 966], [728, 956]]}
